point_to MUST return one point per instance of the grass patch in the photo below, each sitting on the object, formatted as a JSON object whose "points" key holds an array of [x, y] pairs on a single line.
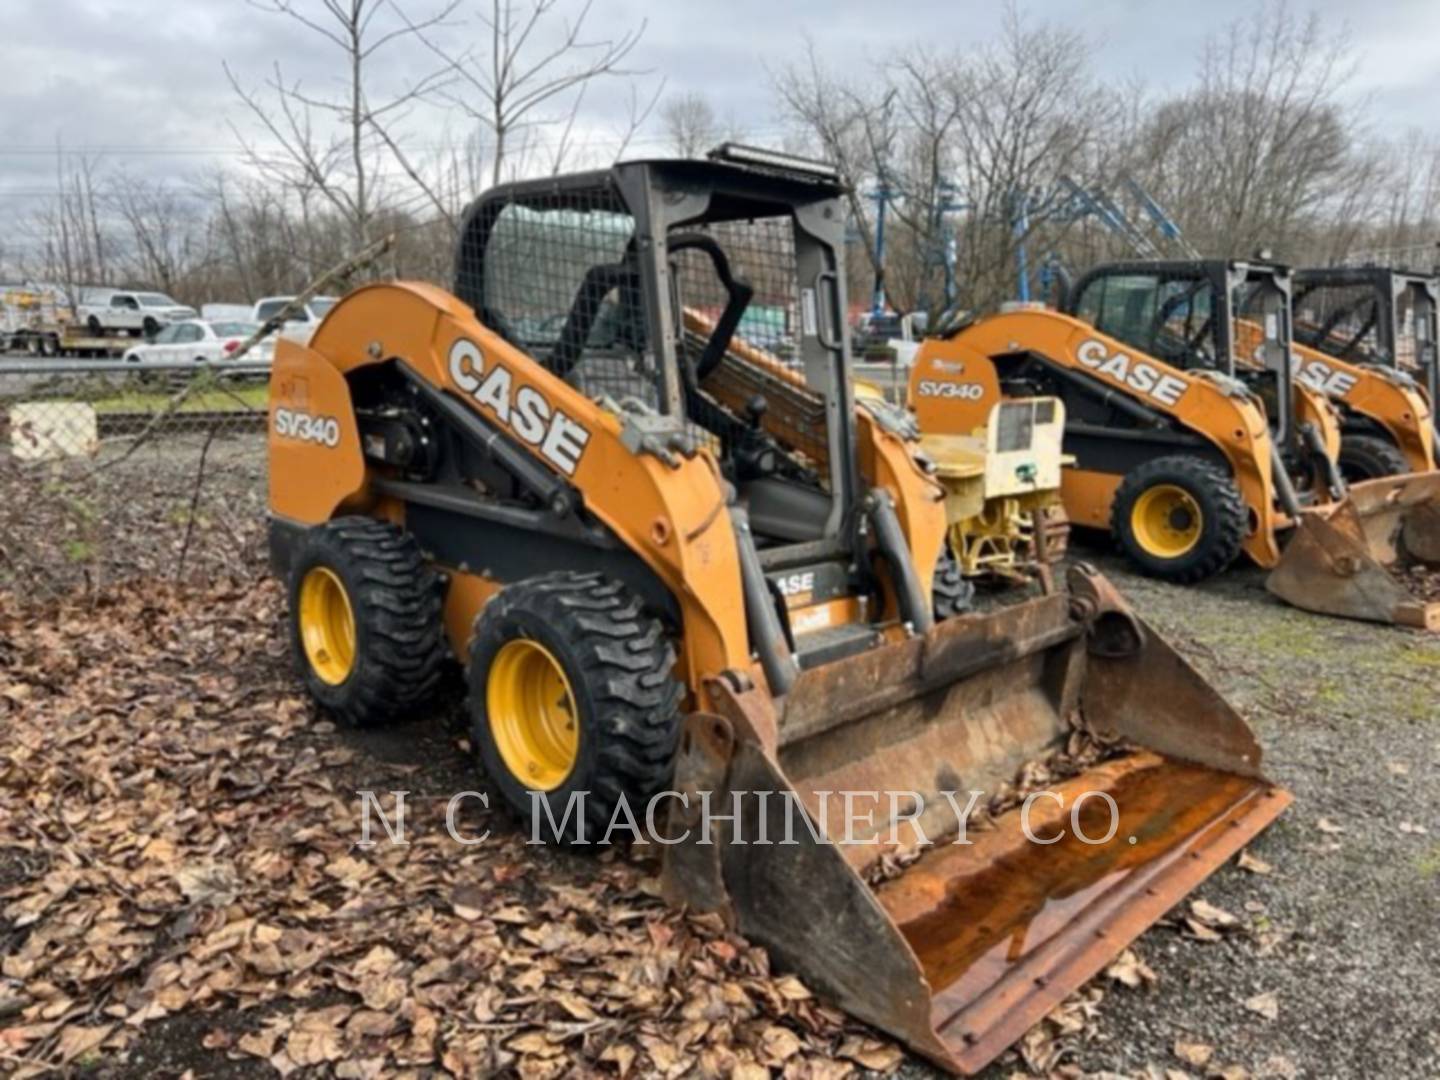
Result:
{"points": [[1429, 863], [239, 399], [79, 550]]}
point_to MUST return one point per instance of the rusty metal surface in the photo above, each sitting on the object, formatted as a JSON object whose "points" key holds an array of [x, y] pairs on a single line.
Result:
{"points": [[960, 951], [692, 874], [1042, 920], [836, 694], [817, 917], [1337, 561]]}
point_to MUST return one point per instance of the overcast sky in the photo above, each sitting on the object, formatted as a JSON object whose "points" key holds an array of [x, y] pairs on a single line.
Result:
{"points": [[142, 80]]}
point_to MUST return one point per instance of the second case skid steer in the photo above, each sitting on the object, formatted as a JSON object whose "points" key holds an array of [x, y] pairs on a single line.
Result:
{"points": [[656, 581], [1194, 458]]}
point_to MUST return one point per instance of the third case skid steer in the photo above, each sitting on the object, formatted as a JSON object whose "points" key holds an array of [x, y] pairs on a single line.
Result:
{"points": [[663, 568], [1353, 323], [1192, 455]]}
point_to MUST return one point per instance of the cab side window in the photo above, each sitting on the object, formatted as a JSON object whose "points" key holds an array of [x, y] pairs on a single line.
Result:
{"points": [[1183, 323], [1123, 306]]}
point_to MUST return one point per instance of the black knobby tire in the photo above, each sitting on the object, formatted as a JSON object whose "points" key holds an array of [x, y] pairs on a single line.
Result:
{"points": [[950, 593], [1224, 518], [1368, 457], [619, 665], [149, 327], [93, 325], [397, 605]]}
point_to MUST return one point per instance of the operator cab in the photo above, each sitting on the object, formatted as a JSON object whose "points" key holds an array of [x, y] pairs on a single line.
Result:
{"points": [[639, 284], [1228, 317], [703, 302], [1372, 315]]}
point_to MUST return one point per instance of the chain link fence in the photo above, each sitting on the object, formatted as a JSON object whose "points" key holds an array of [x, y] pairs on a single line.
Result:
{"points": [[111, 470]]}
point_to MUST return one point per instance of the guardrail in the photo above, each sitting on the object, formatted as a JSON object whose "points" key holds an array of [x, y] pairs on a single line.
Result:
{"points": [[25, 365]]}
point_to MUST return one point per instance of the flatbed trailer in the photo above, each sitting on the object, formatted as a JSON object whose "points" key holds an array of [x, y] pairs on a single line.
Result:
{"points": [[66, 340]]}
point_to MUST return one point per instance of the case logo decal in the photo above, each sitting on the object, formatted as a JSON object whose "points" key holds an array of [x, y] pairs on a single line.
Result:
{"points": [[1136, 374], [560, 440]]}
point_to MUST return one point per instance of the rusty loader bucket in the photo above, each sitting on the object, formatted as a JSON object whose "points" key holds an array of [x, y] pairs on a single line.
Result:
{"points": [[957, 948], [1374, 555]]}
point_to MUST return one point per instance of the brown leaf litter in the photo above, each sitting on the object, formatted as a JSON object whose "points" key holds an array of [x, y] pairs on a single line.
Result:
{"points": [[176, 841]]}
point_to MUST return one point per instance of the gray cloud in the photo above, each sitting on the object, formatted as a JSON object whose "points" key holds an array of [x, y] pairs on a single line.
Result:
{"points": [[146, 75]]}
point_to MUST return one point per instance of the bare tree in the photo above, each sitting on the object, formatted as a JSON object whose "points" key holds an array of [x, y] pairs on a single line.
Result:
{"points": [[168, 241], [330, 145], [692, 126], [966, 149], [834, 118], [1263, 146], [71, 242], [531, 70]]}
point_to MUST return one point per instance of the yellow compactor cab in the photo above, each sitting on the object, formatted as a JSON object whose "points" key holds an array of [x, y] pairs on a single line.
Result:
{"points": [[671, 564]]}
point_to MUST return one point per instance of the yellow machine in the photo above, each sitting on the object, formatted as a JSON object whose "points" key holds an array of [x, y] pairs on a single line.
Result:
{"points": [[1002, 489], [1189, 466], [679, 575], [1002, 486]]}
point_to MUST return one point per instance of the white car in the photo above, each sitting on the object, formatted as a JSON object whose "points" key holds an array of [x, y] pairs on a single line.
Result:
{"points": [[299, 326], [202, 342], [138, 312], [226, 312]]}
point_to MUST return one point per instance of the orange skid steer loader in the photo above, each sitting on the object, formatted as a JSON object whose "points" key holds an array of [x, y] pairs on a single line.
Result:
{"points": [[1187, 456], [1374, 420], [1372, 331], [671, 572]]}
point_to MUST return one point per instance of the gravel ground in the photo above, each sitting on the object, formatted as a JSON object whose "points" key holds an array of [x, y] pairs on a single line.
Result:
{"points": [[1344, 930], [151, 512]]}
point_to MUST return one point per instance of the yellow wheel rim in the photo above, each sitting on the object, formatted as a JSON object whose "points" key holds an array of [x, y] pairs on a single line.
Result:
{"points": [[327, 625], [1167, 521], [532, 713]]}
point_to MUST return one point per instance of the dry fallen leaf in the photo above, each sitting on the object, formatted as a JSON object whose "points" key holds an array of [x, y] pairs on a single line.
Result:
{"points": [[1214, 917], [1279, 1067], [77, 1040], [621, 1055], [1129, 970], [1193, 1053], [1253, 863], [1200, 932], [1325, 825], [871, 1054], [778, 1045], [1266, 1005]]}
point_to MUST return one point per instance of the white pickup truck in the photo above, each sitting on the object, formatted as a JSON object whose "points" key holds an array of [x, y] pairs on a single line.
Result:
{"points": [[302, 323], [137, 312]]}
